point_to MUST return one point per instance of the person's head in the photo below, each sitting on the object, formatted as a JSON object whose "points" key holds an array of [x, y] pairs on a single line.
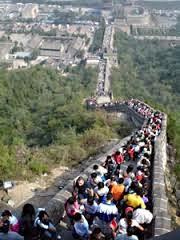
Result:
{"points": [[117, 152], [28, 209], [130, 168], [77, 217], [100, 185], [80, 181], [129, 215], [121, 180], [71, 200], [108, 157], [6, 215], [95, 167], [96, 234], [134, 185], [90, 200], [146, 172], [109, 197], [43, 216], [144, 162], [93, 175], [113, 178], [146, 155], [139, 191]]}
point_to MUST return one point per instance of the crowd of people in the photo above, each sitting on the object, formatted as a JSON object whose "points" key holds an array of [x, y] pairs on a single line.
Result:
{"points": [[114, 202], [101, 79]]}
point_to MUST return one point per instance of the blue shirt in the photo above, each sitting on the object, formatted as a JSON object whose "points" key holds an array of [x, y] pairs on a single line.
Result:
{"points": [[126, 237], [82, 227]]}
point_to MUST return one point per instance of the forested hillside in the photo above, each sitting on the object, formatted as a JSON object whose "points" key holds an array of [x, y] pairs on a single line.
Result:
{"points": [[150, 72], [43, 121]]}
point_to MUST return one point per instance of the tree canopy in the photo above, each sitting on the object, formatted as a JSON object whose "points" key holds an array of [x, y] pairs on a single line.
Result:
{"points": [[44, 122]]}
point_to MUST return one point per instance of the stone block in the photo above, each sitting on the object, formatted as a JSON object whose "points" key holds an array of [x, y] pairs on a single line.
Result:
{"points": [[160, 231]]}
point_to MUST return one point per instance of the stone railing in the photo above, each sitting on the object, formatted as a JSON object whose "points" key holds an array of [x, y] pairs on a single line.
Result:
{"points": [[162, 221]]}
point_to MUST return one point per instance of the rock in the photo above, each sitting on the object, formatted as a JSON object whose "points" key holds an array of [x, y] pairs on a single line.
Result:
{"points": [[11, 203]]}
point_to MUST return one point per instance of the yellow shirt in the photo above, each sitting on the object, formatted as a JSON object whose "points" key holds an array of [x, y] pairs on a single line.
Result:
{"points": [[134, 200]]}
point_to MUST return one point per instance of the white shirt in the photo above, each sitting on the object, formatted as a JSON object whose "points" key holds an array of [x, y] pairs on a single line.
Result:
{"points": [[142, 216], [123, 225], [101, 170], [101, 192], [13, 220]]}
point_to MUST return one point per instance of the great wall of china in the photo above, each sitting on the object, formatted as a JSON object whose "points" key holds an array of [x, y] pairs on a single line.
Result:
{"points": [[162, 219]]}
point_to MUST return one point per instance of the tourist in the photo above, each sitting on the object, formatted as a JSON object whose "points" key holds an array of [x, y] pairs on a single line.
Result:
{"points": [[81, 226], [142, 216], [117, 190], [107, 211], [80, 188], [128, 221], [101, 191], [26, 222], [14, 224], [134, 199], [97, 234], [6, 234], [45, 226], [90, 209], [71, 208]]}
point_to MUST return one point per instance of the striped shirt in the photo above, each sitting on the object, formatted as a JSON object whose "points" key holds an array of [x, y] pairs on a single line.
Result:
{"points": [[107, 211]]}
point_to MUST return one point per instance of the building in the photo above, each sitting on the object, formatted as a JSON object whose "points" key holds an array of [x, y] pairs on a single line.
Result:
{"points": [[121, 25], [22, 55], [92, 61], [51, 48], [30, 11], [5, 48]]}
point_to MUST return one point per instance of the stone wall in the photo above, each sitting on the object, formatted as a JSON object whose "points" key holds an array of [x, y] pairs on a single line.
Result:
{"points": [[162, 221]]}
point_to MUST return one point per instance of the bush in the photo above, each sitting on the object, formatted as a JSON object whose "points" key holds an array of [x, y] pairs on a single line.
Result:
{"points": [[38, 167]]}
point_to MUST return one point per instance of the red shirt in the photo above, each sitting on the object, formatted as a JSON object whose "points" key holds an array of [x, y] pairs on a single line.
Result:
{"points": [[119, 158]]}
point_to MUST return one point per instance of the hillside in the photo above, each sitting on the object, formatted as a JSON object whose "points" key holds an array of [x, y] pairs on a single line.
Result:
{"points": [[44, 123], [150, 72]]}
